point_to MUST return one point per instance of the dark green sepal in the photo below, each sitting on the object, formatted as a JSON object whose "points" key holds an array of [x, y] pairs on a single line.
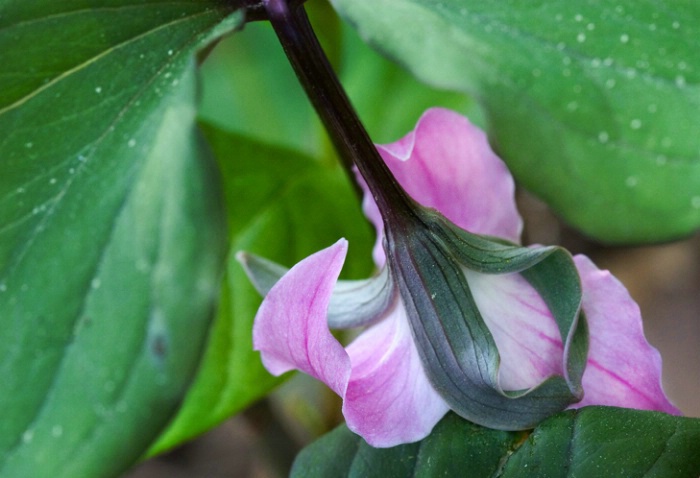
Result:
{"points": [[427, 255]]}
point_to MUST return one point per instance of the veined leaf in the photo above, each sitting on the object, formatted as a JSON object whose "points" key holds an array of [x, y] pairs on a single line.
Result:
{"points": [[594, 105], [593, 441], [112, 229]]}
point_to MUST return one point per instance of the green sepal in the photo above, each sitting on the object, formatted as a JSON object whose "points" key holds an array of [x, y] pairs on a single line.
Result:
{"points": [[427, 255]]}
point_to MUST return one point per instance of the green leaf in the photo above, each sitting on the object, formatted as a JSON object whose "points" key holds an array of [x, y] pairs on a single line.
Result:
{"points": [[112, 232], [604, 441], [284, 206], [593, 441], [593, 105], [454, 446]]}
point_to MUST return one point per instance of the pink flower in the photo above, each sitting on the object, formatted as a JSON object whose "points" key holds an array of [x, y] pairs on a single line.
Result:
{"points": [[388, 399]]}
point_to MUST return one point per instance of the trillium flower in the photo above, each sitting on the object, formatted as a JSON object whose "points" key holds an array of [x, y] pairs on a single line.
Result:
{"points": [[387, 376]]}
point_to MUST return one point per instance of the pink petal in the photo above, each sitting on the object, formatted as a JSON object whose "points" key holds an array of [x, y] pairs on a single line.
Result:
{"points": [[525, 332], [623, 369], [446, 163], [389, 400], [290, 328]]}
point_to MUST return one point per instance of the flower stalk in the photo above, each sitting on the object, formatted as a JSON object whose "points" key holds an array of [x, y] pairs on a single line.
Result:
{"points": [[353, 144]]}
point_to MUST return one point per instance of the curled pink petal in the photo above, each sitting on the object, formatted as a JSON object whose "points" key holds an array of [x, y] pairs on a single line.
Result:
{"points": [[290, 328], [623, 369], [389, 399], [524, 330]]}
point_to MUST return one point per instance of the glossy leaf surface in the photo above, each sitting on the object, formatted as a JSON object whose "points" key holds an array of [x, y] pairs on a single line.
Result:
{"points": [[112, 228], [593, 105], [592, 441]]}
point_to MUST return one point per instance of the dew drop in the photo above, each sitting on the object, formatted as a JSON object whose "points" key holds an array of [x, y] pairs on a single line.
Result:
{"points": [[676, 25], [680, 81], [98, 90], [603, 137], [608, 61], [27, 436], [695, 202], [610, 83], [590, 26], [131, 143], [572, 106], [578, 17], [3, 287], [631, 181], [635, 124], [661, 160], [28, 145], [170, 53], [624, 38], [595, 62], [52, 181], [581, 37], [57, 431], [95, 283]]}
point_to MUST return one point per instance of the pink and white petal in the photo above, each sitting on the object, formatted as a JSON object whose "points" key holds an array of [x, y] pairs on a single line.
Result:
{"points": [[389, 399], [524, 330], [623, 369], [290, 328], [446, 163]]}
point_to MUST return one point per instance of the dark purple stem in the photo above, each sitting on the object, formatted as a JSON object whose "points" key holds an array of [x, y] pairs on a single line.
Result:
{"points": [[333, 106]]}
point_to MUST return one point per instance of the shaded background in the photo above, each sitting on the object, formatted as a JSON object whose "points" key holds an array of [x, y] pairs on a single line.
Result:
{"points": [[248, 87]]}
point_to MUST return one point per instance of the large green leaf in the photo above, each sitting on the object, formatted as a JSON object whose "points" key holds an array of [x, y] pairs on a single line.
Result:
{"points": [[596, 442], [595, 105], [112, 229], [284, 206]]}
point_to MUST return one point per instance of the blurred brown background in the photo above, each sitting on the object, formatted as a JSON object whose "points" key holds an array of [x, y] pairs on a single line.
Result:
{"points": [[664, 279]]}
